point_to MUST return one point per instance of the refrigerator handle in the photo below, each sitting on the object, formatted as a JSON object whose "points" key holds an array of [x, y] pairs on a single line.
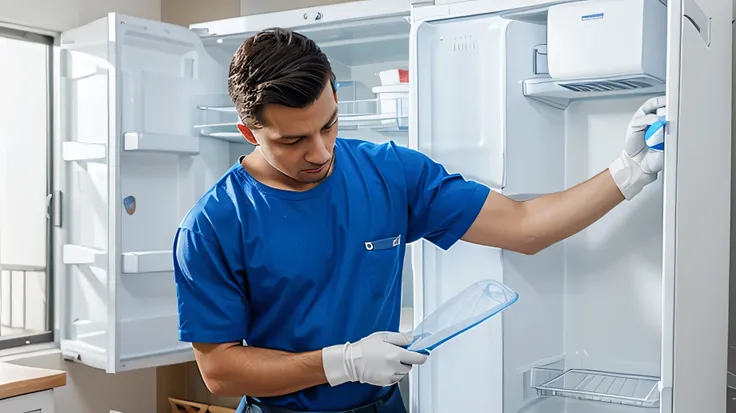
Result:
{"points": [[694, 14], [53, 208]]}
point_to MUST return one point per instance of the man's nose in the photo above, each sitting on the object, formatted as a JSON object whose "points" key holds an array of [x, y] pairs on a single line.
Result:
{"points": [[318, 152]]}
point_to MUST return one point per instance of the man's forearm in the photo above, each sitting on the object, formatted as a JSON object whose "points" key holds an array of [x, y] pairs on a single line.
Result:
{"points": [[554, 217], [238, 370]]}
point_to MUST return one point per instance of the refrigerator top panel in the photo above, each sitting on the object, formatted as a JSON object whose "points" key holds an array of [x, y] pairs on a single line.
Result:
{"points": [[472, 306], [337, 22]]}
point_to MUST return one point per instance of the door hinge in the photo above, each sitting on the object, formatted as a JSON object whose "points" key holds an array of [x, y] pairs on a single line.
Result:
{"points": [[71, 356]]}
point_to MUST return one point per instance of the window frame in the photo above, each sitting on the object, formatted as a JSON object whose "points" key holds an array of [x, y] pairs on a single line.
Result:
{"points": [[48, 336]]}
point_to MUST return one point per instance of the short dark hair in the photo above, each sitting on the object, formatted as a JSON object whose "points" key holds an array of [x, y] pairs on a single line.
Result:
{"points": [[276, 66]]}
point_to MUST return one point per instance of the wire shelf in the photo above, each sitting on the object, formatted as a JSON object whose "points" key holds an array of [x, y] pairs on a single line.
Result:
{"points": [[627, 389], [383, 115]]}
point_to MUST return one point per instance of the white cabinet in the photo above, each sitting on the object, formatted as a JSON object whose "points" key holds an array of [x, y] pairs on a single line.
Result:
{"points": [[28, 389], [41, 402]]}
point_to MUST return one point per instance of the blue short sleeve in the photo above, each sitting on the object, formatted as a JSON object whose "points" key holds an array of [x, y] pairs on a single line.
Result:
{"points": [[212, 302], [442, 206]]}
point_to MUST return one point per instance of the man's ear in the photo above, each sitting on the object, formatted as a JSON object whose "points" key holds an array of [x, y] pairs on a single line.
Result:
{"points": [[247, 134]]}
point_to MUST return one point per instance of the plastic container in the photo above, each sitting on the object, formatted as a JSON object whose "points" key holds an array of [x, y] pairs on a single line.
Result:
{"points": [[350, 90], [394, 77], [393, 99], [472, 306]]}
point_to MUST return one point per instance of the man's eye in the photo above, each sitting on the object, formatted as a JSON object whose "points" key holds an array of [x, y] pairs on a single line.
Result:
{"points": [[294, 142]]}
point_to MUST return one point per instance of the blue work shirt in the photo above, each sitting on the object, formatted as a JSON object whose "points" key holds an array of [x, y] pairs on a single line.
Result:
{"points": [[300, 271]]}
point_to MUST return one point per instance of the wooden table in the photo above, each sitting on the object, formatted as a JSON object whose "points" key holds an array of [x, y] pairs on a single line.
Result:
{"points": [[28, 389]]}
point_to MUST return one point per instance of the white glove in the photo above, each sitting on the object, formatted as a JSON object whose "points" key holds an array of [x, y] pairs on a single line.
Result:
{"points": [[376, 359], [638, 165]]}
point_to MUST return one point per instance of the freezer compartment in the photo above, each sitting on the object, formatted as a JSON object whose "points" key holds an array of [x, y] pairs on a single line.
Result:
{"points": [[601, 386]]}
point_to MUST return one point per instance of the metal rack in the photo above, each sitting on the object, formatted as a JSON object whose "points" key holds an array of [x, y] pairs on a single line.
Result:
{"points": [[374, 115], [617, 388]]}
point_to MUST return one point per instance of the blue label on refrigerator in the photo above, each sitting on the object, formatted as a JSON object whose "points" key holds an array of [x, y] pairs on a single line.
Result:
{"points": [[592, 16]]}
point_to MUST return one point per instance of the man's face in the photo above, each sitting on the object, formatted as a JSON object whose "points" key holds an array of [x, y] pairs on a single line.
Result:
{"points": [[299, 143]]}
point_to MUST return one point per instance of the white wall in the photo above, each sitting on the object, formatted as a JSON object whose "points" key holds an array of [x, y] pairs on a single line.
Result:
{"points": [[58, 15], [186, 12]]}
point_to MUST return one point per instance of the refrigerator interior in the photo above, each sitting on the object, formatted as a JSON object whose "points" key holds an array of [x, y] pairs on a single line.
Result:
{"points": [[160, 93], [591, 302], [367, 109]]}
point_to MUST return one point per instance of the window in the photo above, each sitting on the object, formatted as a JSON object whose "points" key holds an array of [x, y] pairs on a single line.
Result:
{"points": [[26, 304]]}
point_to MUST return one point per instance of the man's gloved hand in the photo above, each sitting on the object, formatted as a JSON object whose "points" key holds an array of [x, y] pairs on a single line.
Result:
{"points": [[378, 359], [638, 165]]}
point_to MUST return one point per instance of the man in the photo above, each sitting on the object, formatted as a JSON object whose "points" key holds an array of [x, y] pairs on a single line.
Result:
{"points": [[298, 249]]}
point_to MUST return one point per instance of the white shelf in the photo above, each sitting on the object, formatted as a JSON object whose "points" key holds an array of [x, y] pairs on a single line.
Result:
{"points": [[223, 131], [615, 388], [80, 255], [82, 151], [375, 115], [224, 109], [225, 128], [147, 261], [156, 142], [559, 93]]}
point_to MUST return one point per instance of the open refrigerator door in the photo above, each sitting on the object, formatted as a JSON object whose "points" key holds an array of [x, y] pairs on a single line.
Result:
{"points": [[129, 166], [147, 126], [594, 328]]}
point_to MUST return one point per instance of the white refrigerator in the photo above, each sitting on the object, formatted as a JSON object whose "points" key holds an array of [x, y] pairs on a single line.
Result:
{"points": [[630, 315], [145, 126]]}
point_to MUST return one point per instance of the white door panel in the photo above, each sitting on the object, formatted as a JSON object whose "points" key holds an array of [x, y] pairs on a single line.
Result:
{"points": [[695, 339], [130, 169]]}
